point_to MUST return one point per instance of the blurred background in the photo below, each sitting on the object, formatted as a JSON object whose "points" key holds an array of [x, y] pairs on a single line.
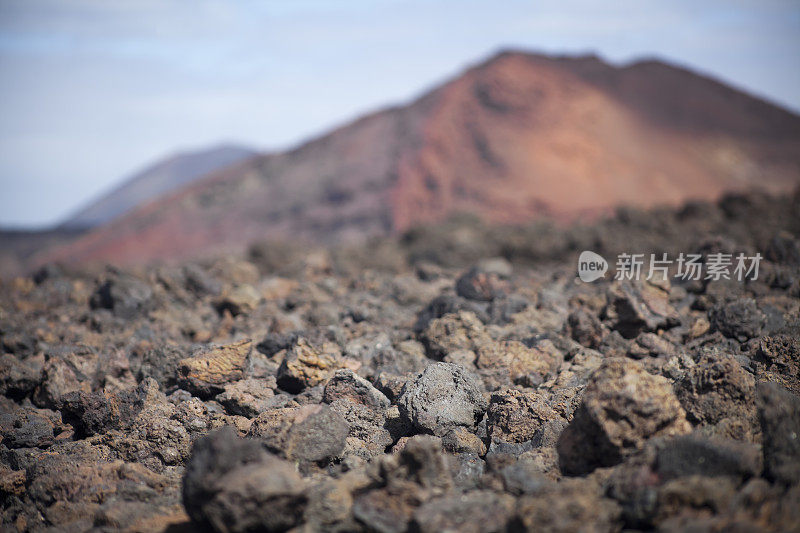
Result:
{"points": [[106, 107]]}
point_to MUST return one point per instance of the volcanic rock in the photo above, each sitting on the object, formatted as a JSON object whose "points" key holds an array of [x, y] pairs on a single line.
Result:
{"points": [[443, 396], [779, 413], [125, 296], [573, 505], [248, 397], [482, 284], [206, 374], [740, 319], [308, 433], [719, 393], [474, 512], [305, 365], [233, 485], [516, 416], [622, 407], [637, 306]]}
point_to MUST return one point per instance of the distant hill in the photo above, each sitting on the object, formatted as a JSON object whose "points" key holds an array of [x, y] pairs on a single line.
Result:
{"points": [[514, 138], [154, 181], [19, 247]]}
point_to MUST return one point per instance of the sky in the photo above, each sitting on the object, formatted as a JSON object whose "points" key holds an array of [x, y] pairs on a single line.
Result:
{"points": [[93, 90]]}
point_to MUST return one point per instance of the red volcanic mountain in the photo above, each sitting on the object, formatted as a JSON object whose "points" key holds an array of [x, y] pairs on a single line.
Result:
{"points": [[516, 137]]}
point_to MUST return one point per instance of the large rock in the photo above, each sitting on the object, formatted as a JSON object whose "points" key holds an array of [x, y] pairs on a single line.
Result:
{"points": [[248, 397], [573, 505], [234, 485], [160, 363], [66, 369], [206, 374], [442, 396], [461, 440], [584, 327], [97, 412], [622, 407], [238, 300], [482, 284], [83, 491], [454, 332], [740, 319], [308, 433], [516, 416], [126, 296], [637, 306], [717, 392], [696, 455], [364, 408], [29, 428], [779, 413], [474, 512], [137, 424], [507, 362], [305, 365], [781, 355], [347, 385], [18, 377]]}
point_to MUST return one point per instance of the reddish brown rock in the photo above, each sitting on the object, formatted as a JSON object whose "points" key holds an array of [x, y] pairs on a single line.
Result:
{"points": [[622, 407], [573, 505], [516, 416], [207, 373], [305, 365], [717, 392], [637, 306]]}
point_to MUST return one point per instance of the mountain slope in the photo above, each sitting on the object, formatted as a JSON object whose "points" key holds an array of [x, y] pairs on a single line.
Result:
{"points": [[517, 137], [162, 177]]}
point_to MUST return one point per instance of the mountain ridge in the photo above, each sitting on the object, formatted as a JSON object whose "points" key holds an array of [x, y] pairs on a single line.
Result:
{"points": [[515, 137]]}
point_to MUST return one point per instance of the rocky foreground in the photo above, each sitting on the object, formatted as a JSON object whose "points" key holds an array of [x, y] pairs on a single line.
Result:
{"points": [[412, 386]]}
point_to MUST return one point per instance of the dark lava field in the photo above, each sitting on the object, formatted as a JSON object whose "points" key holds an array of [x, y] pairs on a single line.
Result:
{"points": [[457, 378]]}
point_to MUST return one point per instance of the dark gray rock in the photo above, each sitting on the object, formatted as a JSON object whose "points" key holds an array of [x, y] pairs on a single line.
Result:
{"points": [[779, 414], [18, 377], [740, 319], [474, 512], [234, 485], [275, 342], [467, 470], [200, 282], [695, 455], [29, 428], [309, 433], [637, 306], [481, 285], [125, 296], [443, 396], [159, 363]]}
